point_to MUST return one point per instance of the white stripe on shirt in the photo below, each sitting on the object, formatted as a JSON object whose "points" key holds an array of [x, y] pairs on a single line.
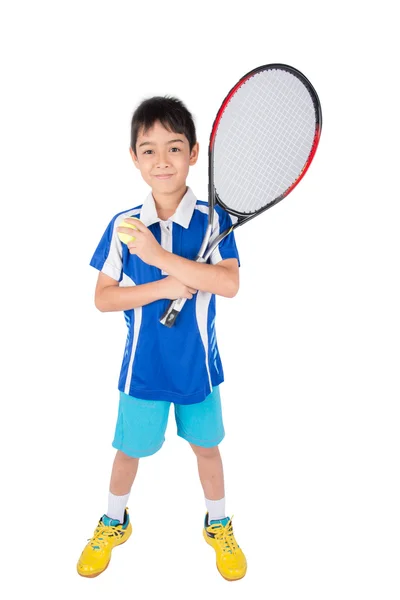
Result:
{"points": [[126, 282]]}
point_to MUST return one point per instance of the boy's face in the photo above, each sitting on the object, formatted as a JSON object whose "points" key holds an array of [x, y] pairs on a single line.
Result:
{"points": [[163, 158]]}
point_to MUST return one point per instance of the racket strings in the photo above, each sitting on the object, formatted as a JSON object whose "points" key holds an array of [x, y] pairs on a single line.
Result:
{"points": [[263, 140], [259, 140]]}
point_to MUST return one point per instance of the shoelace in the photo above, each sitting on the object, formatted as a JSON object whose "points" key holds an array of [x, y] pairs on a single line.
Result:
{"points": [[225, 536], [101, 534]]}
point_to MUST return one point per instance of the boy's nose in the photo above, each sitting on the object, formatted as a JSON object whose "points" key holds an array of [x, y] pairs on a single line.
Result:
{"points": [[162, 164], [162, 160]]}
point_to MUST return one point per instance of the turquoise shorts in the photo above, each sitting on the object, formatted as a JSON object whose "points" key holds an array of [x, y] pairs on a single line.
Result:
{"points": [[141, 424]]}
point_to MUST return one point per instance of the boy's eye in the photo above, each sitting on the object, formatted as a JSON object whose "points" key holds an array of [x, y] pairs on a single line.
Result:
{"points": [[175, 148], [146, 151]]}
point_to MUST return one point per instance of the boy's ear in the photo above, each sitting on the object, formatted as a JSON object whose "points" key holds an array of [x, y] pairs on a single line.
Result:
{"points": [[194, 154], [134, 158]]}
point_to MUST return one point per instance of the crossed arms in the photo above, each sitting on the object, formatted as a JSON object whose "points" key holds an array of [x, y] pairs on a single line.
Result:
{"points": [[221, 279]]}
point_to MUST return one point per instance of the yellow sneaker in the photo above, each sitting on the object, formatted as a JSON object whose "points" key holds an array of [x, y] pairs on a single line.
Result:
{"points": [[231, 562], [97, 553]]}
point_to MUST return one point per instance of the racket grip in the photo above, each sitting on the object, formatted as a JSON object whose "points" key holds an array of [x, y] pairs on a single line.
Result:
{"points": [[174, 308]]}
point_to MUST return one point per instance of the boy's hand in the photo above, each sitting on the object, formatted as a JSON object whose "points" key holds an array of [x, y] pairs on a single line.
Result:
{"points": [[145, 245], [172, 289]]}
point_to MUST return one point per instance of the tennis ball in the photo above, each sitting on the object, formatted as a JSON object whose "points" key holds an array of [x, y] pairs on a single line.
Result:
{"points": [[124, 237]]}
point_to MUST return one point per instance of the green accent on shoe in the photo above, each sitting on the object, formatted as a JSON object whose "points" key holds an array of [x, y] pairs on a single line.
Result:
{"points": [[110, 522], [222, 521]]}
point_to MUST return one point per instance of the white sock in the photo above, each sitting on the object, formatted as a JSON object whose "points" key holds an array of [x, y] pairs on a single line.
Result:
{"points": [[116, 506], [216, 509]]}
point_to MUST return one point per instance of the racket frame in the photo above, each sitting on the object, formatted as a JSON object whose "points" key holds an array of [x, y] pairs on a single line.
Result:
{"points": [[175, 306]]}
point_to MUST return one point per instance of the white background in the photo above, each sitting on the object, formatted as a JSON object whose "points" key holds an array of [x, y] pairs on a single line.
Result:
{"points": [[310, 345]]}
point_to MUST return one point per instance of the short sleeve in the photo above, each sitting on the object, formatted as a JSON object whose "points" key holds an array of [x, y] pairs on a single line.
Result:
{"points": [[227, 247], [108, 254]]}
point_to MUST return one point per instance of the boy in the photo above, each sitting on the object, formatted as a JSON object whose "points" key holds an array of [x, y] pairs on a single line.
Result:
{"points": [[161, 365]]}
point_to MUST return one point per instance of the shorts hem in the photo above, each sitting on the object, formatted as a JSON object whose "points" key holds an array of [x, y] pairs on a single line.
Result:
{"points": [[202, 443], [167, 396], [133, 454]]}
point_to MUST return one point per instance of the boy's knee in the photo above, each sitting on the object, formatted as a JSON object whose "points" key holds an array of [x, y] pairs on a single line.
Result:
{"points": [[122, 457], [205, 452]]}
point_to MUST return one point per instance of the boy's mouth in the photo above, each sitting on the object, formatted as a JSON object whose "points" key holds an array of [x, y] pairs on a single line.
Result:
{"points": [[163, 176]]}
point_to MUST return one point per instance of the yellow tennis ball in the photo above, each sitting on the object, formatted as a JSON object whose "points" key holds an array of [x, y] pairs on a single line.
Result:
{"points": [[124, 237]]}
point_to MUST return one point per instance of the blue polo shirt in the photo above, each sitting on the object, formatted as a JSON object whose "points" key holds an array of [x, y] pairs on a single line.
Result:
{"points": [[180, 364]]}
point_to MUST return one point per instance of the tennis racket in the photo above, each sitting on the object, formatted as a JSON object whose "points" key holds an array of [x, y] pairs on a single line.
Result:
{"points": [[262, 142]]}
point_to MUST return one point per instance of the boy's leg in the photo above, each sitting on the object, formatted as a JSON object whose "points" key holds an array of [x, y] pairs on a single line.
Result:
{"points": [[211, 473], [139, 432], [217, 530], [201, 425], [122, 477], [123, 473]]}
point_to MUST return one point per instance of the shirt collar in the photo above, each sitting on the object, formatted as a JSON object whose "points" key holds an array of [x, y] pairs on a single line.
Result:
{"points": [[182, 216]]}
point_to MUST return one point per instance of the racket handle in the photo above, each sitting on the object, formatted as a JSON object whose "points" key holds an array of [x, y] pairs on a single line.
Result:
{"points": [[174, 308]]}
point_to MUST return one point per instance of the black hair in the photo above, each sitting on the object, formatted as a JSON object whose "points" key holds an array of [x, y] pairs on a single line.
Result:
{"points": [[171, 113]]}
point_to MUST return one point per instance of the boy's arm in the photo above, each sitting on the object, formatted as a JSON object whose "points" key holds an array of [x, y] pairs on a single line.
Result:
{"points": [[110, 296], [221, 279]]}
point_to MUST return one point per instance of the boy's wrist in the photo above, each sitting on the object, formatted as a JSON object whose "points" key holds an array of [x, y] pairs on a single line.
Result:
{"points": [[159, 286], [162, 259]]}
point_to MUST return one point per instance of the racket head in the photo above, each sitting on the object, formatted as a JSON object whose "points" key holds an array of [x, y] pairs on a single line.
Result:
{"points": [[263, 140]]}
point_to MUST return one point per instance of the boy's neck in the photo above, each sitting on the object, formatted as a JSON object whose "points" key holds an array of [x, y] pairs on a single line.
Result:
{"points": [[166, 204]]}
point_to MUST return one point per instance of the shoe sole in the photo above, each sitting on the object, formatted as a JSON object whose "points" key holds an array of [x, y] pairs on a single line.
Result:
{"points": [[226, 579], [102, 571]]}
